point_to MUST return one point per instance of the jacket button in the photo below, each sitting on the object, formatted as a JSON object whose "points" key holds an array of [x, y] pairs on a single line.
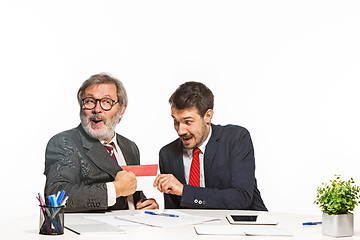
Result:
{"points": [[200, 202], [195, 200]]}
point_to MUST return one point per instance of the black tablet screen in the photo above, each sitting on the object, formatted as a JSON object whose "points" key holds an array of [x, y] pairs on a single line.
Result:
{"points": [[244, 218]]}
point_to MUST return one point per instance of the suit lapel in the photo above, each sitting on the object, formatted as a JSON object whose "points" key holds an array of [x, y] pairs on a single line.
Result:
{"points": [[128, 155], [210, 151], [98, 154]]}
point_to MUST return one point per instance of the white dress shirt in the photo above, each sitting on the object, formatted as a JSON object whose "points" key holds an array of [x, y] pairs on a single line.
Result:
{"points": [[187, 158], [110, 185]]}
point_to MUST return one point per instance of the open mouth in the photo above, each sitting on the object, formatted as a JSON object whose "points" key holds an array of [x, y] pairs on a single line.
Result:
{"points": [[186, 138], [96, 121]]}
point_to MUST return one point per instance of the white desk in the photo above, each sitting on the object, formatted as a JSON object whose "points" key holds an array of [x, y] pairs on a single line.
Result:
{"points": [[27, 228]]}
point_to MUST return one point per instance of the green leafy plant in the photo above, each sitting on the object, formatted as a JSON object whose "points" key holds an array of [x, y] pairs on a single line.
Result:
{"points": [[338, 197]]}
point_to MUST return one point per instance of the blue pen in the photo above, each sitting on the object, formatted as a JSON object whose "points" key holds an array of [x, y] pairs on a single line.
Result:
{"points": [[53, 198], [50, 200], [161, 214], [60, 197], [151, 213], [311, 223]]}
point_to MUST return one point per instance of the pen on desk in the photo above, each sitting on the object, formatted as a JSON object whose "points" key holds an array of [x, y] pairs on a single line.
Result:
{"points": [[161, 214], [168, 215], [151, 213], [311, 223]]}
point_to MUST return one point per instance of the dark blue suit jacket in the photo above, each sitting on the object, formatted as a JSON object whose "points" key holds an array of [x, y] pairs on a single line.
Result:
{"points": [[229, 169]]}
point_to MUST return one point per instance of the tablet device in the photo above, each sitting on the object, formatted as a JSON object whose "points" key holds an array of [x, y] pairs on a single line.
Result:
{"points": [[251, 219]]}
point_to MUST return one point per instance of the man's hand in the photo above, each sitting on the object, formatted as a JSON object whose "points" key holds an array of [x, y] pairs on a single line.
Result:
{"points": [[147, 204], [167, 183], [125, 183]]}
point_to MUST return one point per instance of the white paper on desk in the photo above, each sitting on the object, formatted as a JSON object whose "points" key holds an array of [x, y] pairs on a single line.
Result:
{"points": [[249, 230], [113, 221], [260, 230], [94, 229], [164, 221], [218, 230]]}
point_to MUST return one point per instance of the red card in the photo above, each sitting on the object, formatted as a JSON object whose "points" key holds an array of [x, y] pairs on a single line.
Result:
{"points": [[142, 170]]}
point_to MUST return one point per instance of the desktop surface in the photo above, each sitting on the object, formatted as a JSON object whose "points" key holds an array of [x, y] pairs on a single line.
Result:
{"points": [[27, 227]]}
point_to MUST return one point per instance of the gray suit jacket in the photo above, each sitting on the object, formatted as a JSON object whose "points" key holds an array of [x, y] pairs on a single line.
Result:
{"points": [[81, 166]]}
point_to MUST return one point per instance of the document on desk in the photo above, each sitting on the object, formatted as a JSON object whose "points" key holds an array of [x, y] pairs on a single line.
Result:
{"points": [[94, 229], [261, 230], [112, 220], [162, 218], [218, 230], [248, 230], [145, 175]]}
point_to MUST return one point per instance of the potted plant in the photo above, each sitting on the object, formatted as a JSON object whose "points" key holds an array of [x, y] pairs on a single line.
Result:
{"points": [[337, 200]]}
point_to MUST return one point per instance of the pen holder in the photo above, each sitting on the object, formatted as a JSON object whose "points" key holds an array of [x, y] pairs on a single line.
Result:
{"points": [[51, 220]]}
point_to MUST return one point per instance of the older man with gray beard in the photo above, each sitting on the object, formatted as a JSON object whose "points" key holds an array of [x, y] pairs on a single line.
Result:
{"points": [[86, 161]]}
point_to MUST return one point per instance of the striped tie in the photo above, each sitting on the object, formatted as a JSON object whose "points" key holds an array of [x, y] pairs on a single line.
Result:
{"points": [[110, 148], [194, 178]]}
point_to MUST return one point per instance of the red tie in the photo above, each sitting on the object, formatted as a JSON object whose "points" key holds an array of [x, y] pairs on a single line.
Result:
{"points": [[194, 178], [110, 147]]}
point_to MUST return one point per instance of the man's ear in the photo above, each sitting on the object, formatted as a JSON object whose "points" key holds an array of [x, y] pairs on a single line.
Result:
{"points": [[123, 109], [122, 112], [208, 116]]}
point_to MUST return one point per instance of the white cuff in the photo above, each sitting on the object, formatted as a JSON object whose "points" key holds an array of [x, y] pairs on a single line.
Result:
{"points": [[111, 193], [130, 201]]}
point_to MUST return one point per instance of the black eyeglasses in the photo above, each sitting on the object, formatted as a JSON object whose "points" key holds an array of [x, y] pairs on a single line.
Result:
{"points": [[105, 103]]}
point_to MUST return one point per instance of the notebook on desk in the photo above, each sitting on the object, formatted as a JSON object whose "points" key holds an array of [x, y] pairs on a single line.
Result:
{"points": [[243, 230]]}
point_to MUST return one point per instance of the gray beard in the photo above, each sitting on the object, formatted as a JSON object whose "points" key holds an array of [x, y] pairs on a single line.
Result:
{"points": [[107, 133]]}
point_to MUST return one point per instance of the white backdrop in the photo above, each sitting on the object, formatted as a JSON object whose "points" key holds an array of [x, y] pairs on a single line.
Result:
{"points": [[288, 71]]}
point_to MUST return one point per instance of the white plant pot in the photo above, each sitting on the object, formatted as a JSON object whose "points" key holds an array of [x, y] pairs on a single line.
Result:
{"points": [[338, 225]]}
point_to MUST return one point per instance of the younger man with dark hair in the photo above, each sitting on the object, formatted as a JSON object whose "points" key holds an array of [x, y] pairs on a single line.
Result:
{"points": [[208, 166]]}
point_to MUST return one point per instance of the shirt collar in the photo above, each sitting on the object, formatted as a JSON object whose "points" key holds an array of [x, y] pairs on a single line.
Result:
{"points": [[112, 140]]}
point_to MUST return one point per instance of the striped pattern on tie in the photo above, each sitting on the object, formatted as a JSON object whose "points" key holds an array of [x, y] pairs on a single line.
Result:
{"points": [[194, 178], [110, 148]]}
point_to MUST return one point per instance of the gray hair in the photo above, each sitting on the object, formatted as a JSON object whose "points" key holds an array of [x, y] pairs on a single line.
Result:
{"points": [[104, 78]]}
